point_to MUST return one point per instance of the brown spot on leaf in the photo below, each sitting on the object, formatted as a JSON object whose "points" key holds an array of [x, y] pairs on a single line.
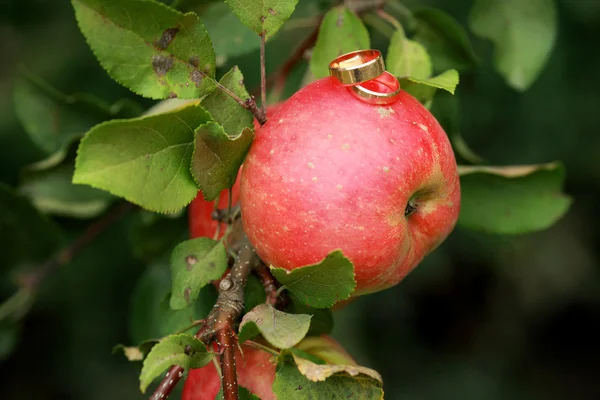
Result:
{"points": [[161, 64], [196, 77], [272, 12], [195, 61], [172, 95], [186, 294], [190, 261], [211, 265], [262, 18], [166, 38]]}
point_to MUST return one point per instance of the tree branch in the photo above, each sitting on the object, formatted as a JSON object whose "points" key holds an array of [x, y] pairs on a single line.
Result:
{"points": [[227, 344], [222, 319]]}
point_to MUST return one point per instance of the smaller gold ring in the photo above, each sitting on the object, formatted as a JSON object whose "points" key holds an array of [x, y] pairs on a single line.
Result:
{"points": [[357, 67], [381, 90]]}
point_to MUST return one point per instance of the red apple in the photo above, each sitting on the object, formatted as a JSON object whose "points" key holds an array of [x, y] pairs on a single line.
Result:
{"points": [[256, 369], [330, 171], [200, 211]]}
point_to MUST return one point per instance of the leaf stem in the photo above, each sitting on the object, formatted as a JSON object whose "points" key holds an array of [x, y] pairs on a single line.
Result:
{"points": [[256, 345], [249, 104], [389, 18]]}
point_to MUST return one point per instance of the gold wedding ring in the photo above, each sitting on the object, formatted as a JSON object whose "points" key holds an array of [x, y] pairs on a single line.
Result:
{"points": [[357, 67], [381, 90]]}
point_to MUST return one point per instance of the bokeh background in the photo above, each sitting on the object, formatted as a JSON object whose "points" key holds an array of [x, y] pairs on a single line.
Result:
{"points": [[483, 317]]}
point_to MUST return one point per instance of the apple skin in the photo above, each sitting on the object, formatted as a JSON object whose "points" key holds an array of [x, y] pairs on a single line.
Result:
{"points": [[256, 369], [200, 211], [330, 171], [255, 372]]}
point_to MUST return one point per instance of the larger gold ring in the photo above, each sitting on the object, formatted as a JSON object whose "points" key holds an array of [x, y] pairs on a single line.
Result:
{"points": [[357, 67], [381, 90]]}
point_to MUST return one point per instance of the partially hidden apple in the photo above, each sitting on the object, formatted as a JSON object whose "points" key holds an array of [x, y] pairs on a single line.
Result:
{"points": [[200, 218], [256, 369], [330, 171]]}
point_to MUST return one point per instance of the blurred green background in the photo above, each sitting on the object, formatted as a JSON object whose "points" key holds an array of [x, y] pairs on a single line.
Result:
{"points": [[483, 317]]}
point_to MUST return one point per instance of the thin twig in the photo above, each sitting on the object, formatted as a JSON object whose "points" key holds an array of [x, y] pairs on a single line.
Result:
{"points": [[276, 298], [281, 77], [263, 74], [67, 254], [249, 104]]}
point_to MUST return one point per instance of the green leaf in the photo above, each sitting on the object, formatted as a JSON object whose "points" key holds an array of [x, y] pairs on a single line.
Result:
{"points": [[224, 109], [523, 32], [281, 329], [424, 89], [263, 16], [407, 58], [217, 158], [151, 316], [341, 32], [195, 263], [51, 191], [243, 394], [183, 350], [320, 285], [25, 235], [321, 318], [290, 384], [512, 200], [229, 35], [145, 160], [53, 119], [445, 39], [322, 350], [320, 372], [159, 53], [168, 105]]}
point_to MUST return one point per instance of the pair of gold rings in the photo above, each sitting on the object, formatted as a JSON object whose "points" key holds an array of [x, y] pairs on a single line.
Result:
{"points": [[364, 73]]}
